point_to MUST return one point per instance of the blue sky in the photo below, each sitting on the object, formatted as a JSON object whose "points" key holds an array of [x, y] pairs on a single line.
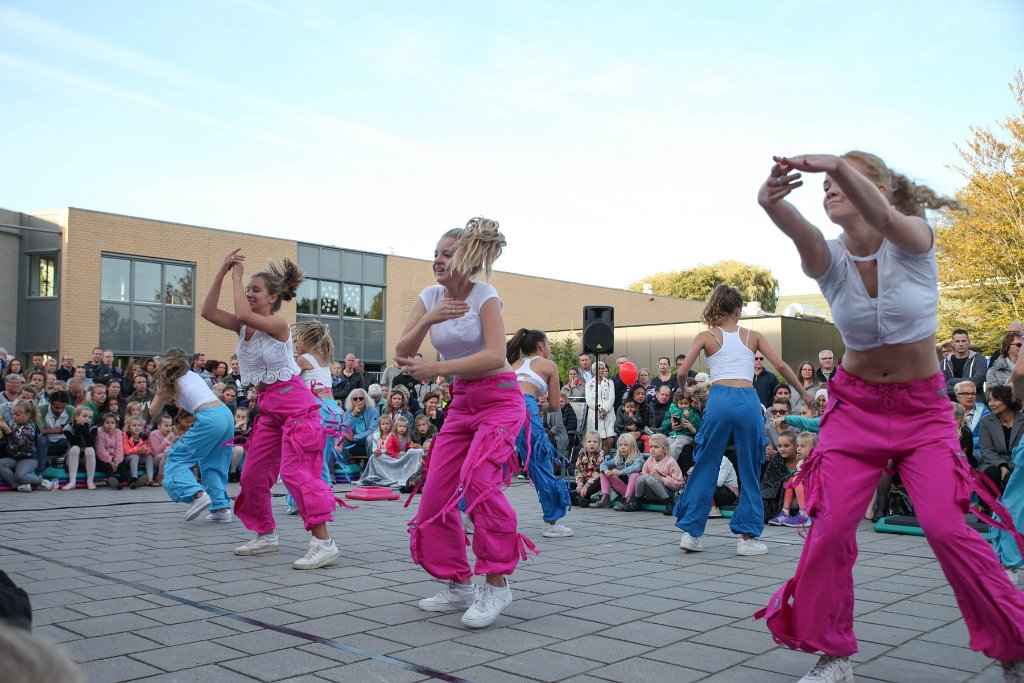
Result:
{"points": [[612, 140]]}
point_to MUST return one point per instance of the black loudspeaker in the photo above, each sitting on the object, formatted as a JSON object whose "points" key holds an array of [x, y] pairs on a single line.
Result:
{"points": [[598, 329]]}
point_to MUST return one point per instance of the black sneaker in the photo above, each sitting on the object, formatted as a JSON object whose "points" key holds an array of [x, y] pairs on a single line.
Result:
{"points": [[670, 507], [114, 483]]}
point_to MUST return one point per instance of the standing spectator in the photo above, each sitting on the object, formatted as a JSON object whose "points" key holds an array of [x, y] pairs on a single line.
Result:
{"points": [[235, 374], [827, 359], [349, 379], [3, 360], [586, 374], [14, 367], [67, 368], [999, 371], [38, 363], [967, 396], [963, 364], [665, 377], [620, 386], [601, 415], [409, 383], [50, 366], [679, 361], [198, 363], [764, 382], [106, 370], [1012, 328], [574, 384]]}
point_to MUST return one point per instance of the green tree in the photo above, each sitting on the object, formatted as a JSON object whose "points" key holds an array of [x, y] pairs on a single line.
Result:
{"points": [[754, 282], [981, 251], [565, 353]]}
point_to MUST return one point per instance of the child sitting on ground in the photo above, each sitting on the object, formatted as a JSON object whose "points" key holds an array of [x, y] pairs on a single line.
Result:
{"points": [[660, 478], [627, 421], [805, 443], [775, 472], [18, 469], [380, 436], [616, 471], [588, 468], [110, 451], [681, 423], [81, 435], [422, 430], [136, 448], [159, 442], [398, 442]]}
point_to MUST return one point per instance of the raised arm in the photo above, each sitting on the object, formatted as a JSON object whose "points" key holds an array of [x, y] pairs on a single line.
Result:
{"points": [[489, 359], [810, 243], [909, 233], [696, 346], [274, 325], [211, 312]]}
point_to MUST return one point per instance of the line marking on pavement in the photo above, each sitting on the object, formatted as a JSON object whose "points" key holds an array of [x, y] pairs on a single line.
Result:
{"points": [[337, 645]]}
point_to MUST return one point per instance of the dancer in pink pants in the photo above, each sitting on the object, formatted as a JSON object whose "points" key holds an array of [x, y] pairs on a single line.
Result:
{"points": [[474, 453], [888, 400], [288, 437]]}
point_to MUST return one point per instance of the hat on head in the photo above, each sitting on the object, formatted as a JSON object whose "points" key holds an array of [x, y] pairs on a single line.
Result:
{"points": [[821, 393]]}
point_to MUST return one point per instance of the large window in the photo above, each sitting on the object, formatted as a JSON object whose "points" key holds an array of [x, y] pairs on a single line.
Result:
{"points": [[146, 306], [345, 291], [42, 275]]}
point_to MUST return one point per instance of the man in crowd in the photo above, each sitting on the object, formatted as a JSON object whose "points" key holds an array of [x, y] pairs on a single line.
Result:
{"points": [[350, 379], [662, 402], [198, 363], [827, 369], [586, 373], [620, 386], [93, 365], [764, 382], [966, 394], [106, 370], [963, 364]]}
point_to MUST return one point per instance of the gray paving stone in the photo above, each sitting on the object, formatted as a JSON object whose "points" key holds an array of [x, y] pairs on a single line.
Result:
{"points": [[116, 669], [257, 642], [949, 657], [189, 655], [643, 670], [371, 671], [113, 645], [189, 632], [276, 666], [559, 624], [600, 649], [419, 633], [698, 656], [92, 627], [889, 668], [447, 656], [544, 665], [655, 635]]}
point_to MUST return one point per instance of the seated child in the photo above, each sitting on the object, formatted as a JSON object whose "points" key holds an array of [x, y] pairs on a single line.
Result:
{"points": [[110, 451], [243, 428], [159, 442], [681, 423], [808, 420], [136, 447], [399, 441], [727, 488], [615, 471], [805, 443], [775, 472], [375, 446], [422, 430], [660, 478], [81, 435], [588, 468], [18, 469], [627, 421]]}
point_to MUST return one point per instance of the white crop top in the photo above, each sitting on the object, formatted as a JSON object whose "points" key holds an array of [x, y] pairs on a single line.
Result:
{"points": [[264, 359], [462, 336], [734, 360], [526, 374], [193, 391], [905, 309], [319, 375]]}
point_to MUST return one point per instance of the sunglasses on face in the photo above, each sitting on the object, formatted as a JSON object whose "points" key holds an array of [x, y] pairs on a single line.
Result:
{"points": [[778, 412], [758, 357], [358, 398]]}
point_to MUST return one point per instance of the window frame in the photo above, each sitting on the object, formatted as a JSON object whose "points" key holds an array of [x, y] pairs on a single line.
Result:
{"points": [[33, 271]]}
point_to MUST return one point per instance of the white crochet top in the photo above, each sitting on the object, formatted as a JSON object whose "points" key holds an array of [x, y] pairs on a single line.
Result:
{"points": [[264, 359]]}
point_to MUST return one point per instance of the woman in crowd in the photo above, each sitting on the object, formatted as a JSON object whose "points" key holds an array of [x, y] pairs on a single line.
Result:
{"points": [[999, 433], [574, 384], [398, 405], [14, 367], [1009, 352], [358, 424], [664, 376], [880, 279], [808, 381], [733, 411], [288, 437], [432, 409], [601, 406], [538, 379], [473, 455], [97, 401]]}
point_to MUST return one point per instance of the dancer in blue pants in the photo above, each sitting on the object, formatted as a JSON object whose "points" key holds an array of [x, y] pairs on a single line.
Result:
{"points": [[538, 377], [733, 411], [207, 443]]}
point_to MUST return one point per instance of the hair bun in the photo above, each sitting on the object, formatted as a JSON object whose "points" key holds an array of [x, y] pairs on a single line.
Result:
{"points": [[287, 295]]}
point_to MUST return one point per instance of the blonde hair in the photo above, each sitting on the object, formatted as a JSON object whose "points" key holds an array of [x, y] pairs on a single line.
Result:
{"points": [[699, 391], [958, 414], [282, 277], [905, 195], [27, 407], [633, 452], [317, 335], [477, 246], [659, 440], [807, 437], [134, 419], [400, 420], [722, 303], [174, 364]]}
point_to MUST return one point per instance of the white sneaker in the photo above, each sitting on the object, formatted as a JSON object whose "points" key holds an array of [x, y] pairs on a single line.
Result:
{"points": [[292, 510], [197, 506], [830, 670], [691, 544], [714, 513], [46, 484], [319, 554], [454, 596], [1012, 574], [220, 516], [25, 488], [556, 530], [751, 546], [489, 603], [260, 545]]}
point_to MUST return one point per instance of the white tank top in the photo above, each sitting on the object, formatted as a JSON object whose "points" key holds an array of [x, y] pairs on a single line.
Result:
{"points": [[193, 391], [734, 360], [264, 359], [526, 374], [318, 376]]}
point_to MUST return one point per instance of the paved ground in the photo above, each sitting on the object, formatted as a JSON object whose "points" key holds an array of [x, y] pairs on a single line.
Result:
{"points": [[132, 592]]}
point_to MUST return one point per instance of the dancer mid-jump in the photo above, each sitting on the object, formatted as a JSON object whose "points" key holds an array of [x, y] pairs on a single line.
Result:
{"points": [[474, 453], [288, 437], [887, 400], [733, 410], [538, 377]]}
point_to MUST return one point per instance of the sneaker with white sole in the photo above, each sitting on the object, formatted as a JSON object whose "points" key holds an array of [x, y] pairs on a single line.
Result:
{"points": [[197, 507], [830, 670], [1012, 574], [556, 530], [25, 488], [260, 545], [714, 513], [691, 544], [292, 510], [750, 546], [779, 519], [220, 516], [489, 603], [46, 484], [797, 520], [319, 554], [454, 596]]}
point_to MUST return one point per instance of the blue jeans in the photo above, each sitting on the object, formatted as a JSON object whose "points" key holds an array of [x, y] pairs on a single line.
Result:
{"points": [[552, 491], [731, 412], [207, 443], [45, 448]]}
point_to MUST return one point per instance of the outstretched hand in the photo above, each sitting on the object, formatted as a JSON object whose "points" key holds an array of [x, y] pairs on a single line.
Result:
{"points": [[811, 163], [233, 260], [779, 184]]}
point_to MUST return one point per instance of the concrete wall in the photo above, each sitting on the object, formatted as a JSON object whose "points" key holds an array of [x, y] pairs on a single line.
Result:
{"points": [[10, 260]]}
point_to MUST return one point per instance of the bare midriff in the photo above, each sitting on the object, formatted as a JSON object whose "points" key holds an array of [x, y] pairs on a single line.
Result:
{"points": [[894, 363]]}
